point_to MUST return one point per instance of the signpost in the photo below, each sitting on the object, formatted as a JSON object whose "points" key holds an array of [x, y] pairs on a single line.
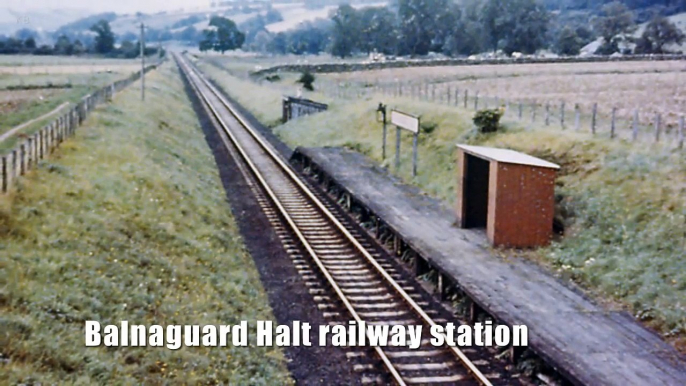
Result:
{"points": [[410, 123], [381, 117]]}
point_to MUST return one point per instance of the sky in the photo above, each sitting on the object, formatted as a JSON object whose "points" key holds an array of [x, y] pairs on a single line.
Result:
{"points": [[97, 6]]}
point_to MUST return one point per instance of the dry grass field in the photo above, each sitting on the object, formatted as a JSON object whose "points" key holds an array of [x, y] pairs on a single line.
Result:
{"points": [[650, 87]]}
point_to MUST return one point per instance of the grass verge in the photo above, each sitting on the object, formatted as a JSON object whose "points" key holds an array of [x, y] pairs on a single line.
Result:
{"points": [[622, 205], [127, 221]]}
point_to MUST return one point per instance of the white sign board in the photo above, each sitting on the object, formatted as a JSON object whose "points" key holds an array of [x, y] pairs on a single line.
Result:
{"points": [[405, 121]]}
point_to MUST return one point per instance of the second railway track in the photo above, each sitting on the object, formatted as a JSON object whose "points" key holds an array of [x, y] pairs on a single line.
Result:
{"points": [[352, 279]]}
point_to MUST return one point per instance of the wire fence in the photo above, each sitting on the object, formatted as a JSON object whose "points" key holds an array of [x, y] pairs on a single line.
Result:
{"points": [[612, 122], [33, 148]]}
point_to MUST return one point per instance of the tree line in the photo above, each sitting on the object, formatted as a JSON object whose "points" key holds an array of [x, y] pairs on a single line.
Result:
{"points": [[419, 27], [103, 43]]}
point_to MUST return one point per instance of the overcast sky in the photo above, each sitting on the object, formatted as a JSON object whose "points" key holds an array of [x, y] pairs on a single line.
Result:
{"points": [[120, 6]]}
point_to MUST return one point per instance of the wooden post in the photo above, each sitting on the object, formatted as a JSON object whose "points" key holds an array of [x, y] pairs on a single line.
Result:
{"points": [[634, 134], [426, 91], [476, 101], [22, 159], [612, 124], [448, 95], [577, 117], [29, 157], [562, 115], [519, 112], [533, 112], [593, 117], [547, 114], [433, 92], [658, 125], [5, 175], [681, 132], [466, 96], [457, 95]]}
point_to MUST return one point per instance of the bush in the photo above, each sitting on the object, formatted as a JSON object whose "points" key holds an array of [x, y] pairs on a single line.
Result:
{"points": [[307, 79], [488, 120]]}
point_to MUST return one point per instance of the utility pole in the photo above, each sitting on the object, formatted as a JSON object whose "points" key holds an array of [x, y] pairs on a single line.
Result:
{"points": [[142, 41]]}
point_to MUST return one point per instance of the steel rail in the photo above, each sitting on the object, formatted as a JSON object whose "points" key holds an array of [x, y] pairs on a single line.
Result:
{"points": [[287, 169]]}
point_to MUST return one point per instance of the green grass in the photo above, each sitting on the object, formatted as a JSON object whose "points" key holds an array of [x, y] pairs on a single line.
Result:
{"points": [[127, 221], [81, 85], [622, 204]]}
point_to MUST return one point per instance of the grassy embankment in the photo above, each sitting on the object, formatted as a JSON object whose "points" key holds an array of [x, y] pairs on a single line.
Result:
{"points": [[127, 221], [58, 90], [622, 204]]}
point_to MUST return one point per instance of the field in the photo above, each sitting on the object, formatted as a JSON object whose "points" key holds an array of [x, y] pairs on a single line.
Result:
{"points": [[33, 86], [650, 87], [128, 220], [622, 204]]}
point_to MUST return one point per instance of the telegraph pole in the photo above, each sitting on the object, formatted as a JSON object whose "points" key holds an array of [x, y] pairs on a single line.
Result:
{"points": [[142, 41]]}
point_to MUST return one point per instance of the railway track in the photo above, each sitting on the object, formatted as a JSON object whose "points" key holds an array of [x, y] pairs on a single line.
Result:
{"points": [[350, 278]]}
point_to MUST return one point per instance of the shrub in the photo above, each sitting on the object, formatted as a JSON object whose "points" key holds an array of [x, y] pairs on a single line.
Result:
{"points": [[307, 79], [428, 127], [488, 120]]}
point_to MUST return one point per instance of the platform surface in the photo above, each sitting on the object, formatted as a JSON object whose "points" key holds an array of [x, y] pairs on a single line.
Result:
{"points": [[590, 345]]}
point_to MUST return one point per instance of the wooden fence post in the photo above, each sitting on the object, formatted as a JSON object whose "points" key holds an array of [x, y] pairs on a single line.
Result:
{"points": [[562, 114], [457, 96], [5, 175], [476, 101], [612, 124], [658, 125], [634, 133], [448, 95], [681, 132], [22, 159], [533, 112], [466, 96], [593, 117], [519, 113], [547, 114]]}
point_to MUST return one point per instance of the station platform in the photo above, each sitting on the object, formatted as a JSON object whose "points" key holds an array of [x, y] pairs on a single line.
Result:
{"points": [[584, 342]]}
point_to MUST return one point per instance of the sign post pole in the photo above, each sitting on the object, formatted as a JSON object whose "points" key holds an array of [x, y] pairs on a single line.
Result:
{"points": [[410, 123], [397, 148], [414, 155]]}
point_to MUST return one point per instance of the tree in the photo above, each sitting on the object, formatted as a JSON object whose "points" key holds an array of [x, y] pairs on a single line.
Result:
{"points": [[345, 33], [614, 22], [515, 25], [659, 33], [568, 42], [468, 36], [30, 44], [378, 26], [223, 37], [104, 41], [419, 24], [63, 46]]}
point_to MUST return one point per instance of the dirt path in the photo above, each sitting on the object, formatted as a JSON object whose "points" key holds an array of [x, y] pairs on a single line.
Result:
{"points": [[23, 125]]}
